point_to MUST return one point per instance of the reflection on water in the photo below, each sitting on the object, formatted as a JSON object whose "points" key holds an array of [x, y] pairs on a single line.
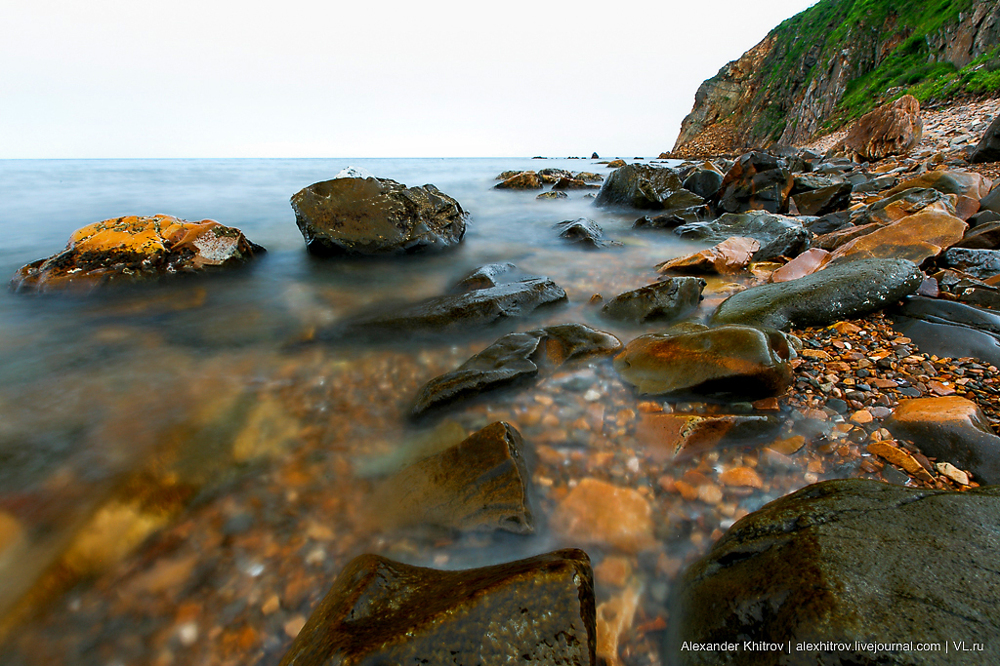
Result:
{"points": [[192, 408]]}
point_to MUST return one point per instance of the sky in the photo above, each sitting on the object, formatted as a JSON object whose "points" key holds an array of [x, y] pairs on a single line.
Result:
{"points": [[219, 78]]}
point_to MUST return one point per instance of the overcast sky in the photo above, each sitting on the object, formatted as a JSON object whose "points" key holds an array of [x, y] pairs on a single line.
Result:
{"points": [[211, 78]]}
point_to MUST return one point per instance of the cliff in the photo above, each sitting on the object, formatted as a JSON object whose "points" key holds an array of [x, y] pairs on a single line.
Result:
{"points": [[839, 59]]}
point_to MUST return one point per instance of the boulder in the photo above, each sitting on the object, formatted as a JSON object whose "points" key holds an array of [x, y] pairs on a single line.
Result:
{"points": [[988, 148], [733, 360], [961, 183], [982, 264], [673, 219], [842, 291], [588, 177], [951, 429], [891, 129], [984, 236], [574, 184], [486, 276], [132, 248], [730, 256], [757, 181], [552, 194], [551, 175], [992, 200], [371, 216], [539, 610], [671, 436], [914, 237], [479, 307], [966, 289], [758, 224], [522, 180], [825, 200], [665, 301], [480, 484], [948, 329], [705, 181], [853, 562], [638, 186], [806, 263], [583, 231], [901, 204], [513, 357]]}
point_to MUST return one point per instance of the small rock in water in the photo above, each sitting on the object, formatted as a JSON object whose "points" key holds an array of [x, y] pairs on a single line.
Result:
{"points": [[540, 611], [598, 512]]}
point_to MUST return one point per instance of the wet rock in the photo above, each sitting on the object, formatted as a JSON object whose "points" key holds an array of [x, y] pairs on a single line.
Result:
{"points": [[665, 301], [948, 329], [760, 225], [638, 186], [962, 183], [842, 291], [539, 610], [366, 216], [985, 236], [480, 484], [914, 237], [673, 219], [616, 164], [705, 182], [982, 264], [798, 571], [524, 180], [583, 231], [486, 276], [574, 184], [826, 223], [901, 204], [988, 148], [966, 289], [730, 256], [479, 307], [552, 194], [734, 360], [951, 429], [513, 357], [588, 177], [877, 184], [806, 263], [825, 200], [757, 181], [991, 201], [670, 436], [132, 249], [983, 217], [551, 175], [891, 129], [597, 512]]}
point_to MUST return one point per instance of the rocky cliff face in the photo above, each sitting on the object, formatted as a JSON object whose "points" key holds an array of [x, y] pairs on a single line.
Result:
{"points": [[837, 60]]}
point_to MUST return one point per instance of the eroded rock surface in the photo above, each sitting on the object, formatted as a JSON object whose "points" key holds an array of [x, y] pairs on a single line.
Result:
{"points": [[539, 610], [371, 216], [847, 561], [133, 248]]}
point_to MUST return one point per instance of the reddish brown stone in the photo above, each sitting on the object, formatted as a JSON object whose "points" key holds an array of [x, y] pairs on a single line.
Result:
{"points": [[891, 129]]}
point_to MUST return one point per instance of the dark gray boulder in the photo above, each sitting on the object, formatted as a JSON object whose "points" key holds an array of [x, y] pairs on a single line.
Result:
{"points": [[540, 611], [847, 561], [757, 181], [758, 224], [638, 186], [988, 148], [949, 329], [479, 307], [513, 357], [840, 291], [991, 201], [825, 200], [982, 236], [664, 301], [982, 264], [704, 182], [366, 216], [480, 484], [487, 276]]}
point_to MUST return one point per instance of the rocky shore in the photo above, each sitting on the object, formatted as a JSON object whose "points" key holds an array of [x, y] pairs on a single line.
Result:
{"points": [[553, 492]]}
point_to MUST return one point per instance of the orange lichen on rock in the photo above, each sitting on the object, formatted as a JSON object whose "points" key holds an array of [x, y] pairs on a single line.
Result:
{"points": [[134, 248]]}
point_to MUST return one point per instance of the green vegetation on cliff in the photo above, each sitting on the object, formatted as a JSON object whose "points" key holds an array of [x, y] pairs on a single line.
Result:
{"points": [[840, 58]]}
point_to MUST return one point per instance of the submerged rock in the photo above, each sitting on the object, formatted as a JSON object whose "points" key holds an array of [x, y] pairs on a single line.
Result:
{"points": [[847, 561], [486, 276], [479, 307], [132, 249], [597, 512], [514, 356], [667, 300], [539, 610], [734, 360], [842, 291], [583, 231], [670, 436], [951, 429], [478, 484], [366, 216]]}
